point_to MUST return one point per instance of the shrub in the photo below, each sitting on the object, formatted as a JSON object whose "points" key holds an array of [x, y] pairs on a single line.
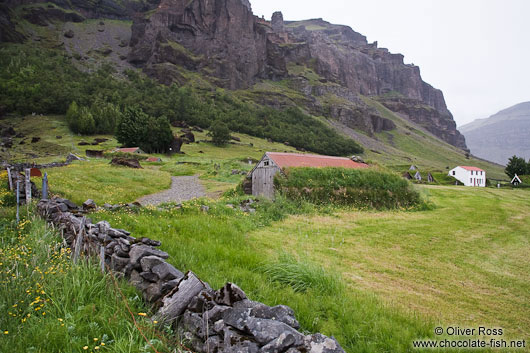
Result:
{"points": [[362, 188], [219, 133]]}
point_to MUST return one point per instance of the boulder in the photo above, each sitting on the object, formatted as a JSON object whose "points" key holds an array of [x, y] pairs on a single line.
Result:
{"points": [[126, 162], [148, 262], [265, 330], [280, 313], [118, 263], [149, 276], [72, 157], [69, 34], [229, 294], [322, 344], [167, 272], [174, 304], [89, 205], [139, 251]]}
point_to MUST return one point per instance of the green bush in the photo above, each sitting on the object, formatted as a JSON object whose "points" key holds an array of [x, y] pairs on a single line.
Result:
{"points": [[219, 133], [361, 188]]}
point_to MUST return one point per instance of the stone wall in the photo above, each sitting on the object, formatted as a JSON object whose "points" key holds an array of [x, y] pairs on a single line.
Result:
{"points": [[208, 320]]}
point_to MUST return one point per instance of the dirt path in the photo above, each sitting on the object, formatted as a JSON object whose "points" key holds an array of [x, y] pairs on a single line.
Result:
{"points": [[182, 189]]}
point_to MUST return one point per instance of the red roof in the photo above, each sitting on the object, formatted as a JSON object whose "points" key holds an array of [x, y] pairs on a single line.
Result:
{"points": [[128, 150], [475, 169], [284, 160], [153, 159]]}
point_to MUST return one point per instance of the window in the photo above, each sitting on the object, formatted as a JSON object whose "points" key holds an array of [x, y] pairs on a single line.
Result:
{"points": [[471, 172], [454, 173], [471, 180], [266, 163]]}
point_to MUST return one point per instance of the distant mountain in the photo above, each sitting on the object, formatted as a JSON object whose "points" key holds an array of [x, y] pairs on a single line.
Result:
{"points": [[500, 136]]}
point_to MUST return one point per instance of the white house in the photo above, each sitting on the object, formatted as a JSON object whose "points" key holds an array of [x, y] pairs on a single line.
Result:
{"points": [[469, 176]]}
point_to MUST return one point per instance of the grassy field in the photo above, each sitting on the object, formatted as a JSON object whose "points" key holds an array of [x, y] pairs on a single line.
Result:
{"points": [[465, 263], [375, 280]]}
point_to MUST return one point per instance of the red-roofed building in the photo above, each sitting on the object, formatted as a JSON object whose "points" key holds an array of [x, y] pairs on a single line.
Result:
{"points": [[273, 162], [469, 176], [130, 150]]}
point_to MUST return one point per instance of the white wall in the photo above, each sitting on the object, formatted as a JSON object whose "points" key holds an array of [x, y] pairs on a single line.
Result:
{"points": [[468, 177]]}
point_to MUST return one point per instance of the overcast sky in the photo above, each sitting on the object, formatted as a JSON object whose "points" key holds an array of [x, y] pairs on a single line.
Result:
{"points": [[476, 51]]}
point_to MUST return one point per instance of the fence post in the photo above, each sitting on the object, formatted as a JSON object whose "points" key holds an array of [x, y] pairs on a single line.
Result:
{"points": [[18, 201], [9, 178], [28, 186], [79, 240], [102, 258], [45, 186]]}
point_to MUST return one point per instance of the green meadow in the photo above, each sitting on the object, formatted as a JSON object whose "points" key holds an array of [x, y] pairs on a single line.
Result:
{"points": [[376, 280]]}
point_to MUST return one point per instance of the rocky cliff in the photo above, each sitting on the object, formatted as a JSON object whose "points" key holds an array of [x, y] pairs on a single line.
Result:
{"points": [[225, 41], [325, 69]]}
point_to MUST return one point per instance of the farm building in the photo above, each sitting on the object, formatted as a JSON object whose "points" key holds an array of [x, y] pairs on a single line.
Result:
{"points": [[134, 150], [262, 176], [516, 180], [469, 176]]}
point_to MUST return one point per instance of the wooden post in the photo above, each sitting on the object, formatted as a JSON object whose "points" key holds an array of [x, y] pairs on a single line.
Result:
{"points": [[9, 178], [102, 258], [45, 186], [79, 240], [28, 186], [18, 201]]}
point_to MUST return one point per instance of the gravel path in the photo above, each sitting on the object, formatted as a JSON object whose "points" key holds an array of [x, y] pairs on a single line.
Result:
{"points": [[182, 189]]}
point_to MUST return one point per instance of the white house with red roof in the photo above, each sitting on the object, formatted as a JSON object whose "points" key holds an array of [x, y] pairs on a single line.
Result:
{"points": [[273, 162], [469, 176]]}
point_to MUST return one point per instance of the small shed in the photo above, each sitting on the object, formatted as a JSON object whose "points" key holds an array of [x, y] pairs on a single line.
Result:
{"points": [[430, 178], [417, 176], [133, 150], [413, 167], [262, 176], [516, 180], [407, 176]]}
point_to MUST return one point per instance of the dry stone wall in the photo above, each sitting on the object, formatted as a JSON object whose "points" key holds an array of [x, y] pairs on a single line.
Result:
{"points": [[213, 321]]}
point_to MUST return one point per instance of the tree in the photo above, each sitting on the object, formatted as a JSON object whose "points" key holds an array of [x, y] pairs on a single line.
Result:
{"points": [[159, 136], [137, 129], [71, 117], [85, 122], [219, 133], [516, 165], [132, 127]]}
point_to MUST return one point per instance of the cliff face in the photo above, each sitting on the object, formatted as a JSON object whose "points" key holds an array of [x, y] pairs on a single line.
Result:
{"points": [[330, 66], [219, 37], [225, 41]]}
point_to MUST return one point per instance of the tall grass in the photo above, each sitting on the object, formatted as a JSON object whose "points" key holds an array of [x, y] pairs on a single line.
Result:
{"points": [[50, 305], [301, 275]]}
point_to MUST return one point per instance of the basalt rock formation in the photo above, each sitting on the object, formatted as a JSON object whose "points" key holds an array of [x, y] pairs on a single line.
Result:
{"points": [[325, 69], [224, 41]]}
